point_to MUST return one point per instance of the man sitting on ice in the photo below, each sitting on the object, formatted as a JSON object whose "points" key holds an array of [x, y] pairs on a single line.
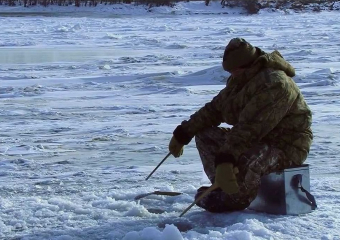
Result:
{"points": [[271, 127]]}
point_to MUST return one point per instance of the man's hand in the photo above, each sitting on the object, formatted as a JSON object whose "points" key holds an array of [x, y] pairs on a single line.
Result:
{"points": [[175, 148], [225, 178]]}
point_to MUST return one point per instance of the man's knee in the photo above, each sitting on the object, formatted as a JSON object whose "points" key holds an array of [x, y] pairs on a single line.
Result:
{"points": [[206, 133], [212, 135]]}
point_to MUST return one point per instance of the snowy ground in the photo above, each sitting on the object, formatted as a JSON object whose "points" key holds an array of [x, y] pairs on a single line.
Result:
{"points": [[89, 105]]}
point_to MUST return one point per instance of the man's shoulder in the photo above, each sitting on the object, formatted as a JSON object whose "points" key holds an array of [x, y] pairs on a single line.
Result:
{"points": [[270, 78]]}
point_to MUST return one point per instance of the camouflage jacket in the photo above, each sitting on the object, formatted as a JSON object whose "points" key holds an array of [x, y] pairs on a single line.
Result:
{"points": [[263, 104]]}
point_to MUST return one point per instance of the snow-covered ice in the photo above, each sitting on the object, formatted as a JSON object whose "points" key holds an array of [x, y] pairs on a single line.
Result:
{"points": [[89, 103]]}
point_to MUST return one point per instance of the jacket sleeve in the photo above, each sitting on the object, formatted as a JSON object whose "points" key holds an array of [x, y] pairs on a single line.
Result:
{"points": [[208, 116], [262, 113]]}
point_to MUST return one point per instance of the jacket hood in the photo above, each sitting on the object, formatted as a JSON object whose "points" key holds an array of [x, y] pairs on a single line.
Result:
{"points": [[276, 61], [272, 60]]}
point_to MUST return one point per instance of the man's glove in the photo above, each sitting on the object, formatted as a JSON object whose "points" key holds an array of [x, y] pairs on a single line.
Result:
{"points": [[175, 148], [225, 178]]}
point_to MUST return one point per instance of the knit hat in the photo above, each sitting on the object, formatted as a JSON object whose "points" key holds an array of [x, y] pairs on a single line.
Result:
{"points": [[238, 53]]}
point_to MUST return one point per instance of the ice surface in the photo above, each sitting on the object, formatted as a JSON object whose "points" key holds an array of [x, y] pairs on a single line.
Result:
{"points": [[89, 103]]}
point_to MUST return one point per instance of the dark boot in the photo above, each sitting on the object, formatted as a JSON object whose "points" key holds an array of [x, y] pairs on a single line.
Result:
{"points": [[218, 201]]}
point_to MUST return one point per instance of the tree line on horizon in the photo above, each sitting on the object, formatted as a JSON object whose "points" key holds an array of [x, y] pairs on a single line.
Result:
{"points": [[252, 6], [91, 3]]}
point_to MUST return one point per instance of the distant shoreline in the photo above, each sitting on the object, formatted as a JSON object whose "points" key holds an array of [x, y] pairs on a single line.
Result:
{"points": [[180, 8]]}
